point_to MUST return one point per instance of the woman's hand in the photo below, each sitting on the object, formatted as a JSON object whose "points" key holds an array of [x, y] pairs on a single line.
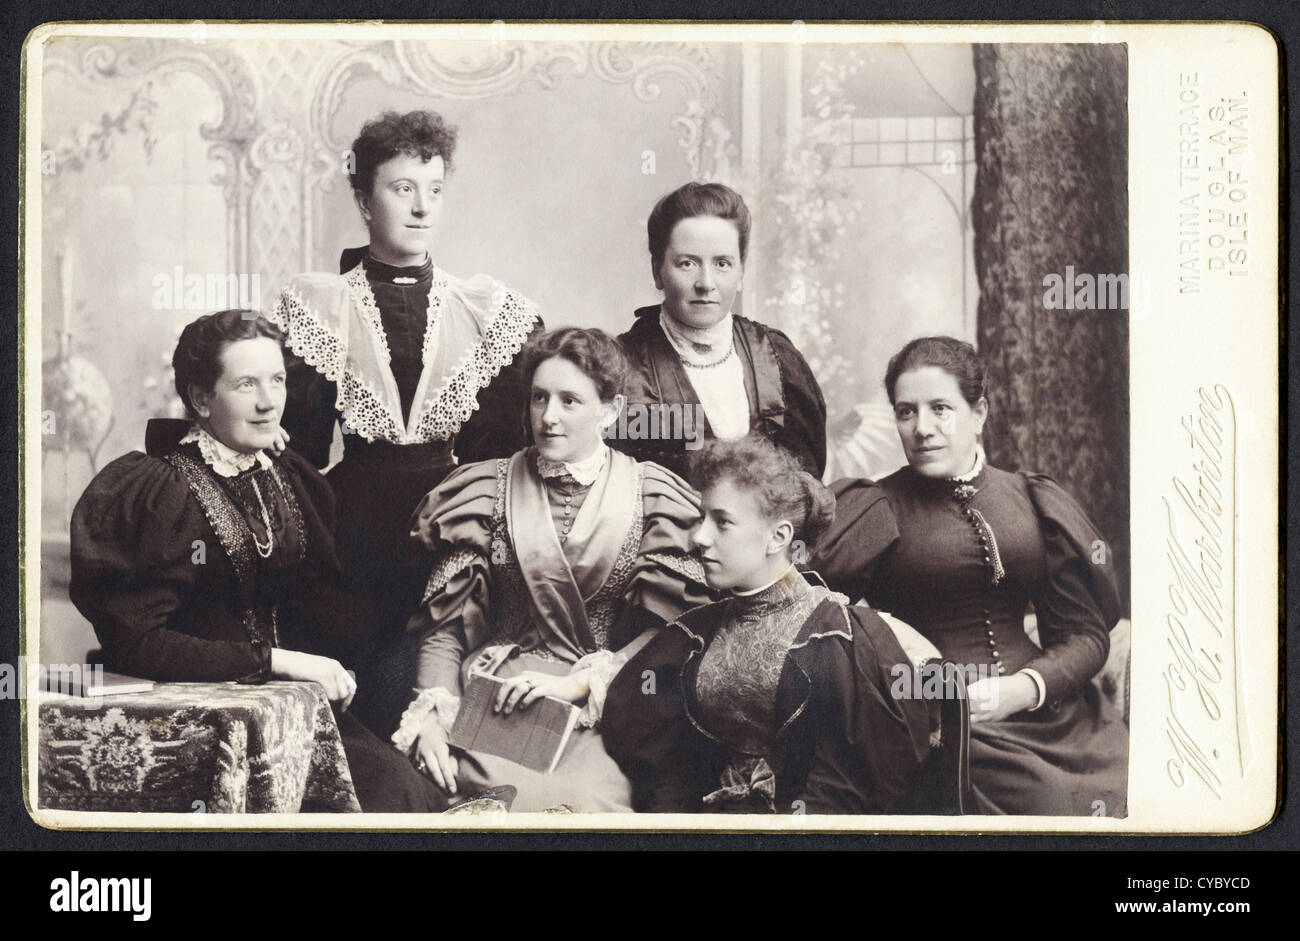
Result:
{"points": [[339, 685], [996, 697], [914, 644], [435, 754], [281, 441], [526, 688]]}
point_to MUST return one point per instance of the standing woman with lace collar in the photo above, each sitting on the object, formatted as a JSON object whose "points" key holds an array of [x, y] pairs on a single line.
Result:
{"points": [[417, 365]]}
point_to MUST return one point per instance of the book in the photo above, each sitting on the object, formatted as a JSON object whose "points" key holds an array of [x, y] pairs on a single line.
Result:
{"points": [[92, 682], [533, 737]]}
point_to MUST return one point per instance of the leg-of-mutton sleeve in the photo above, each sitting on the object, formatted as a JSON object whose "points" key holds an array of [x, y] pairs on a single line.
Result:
{"points": [[1078, 599], [138, 540], [863, 530], [669, 578], [454, 522], [646, 730]]}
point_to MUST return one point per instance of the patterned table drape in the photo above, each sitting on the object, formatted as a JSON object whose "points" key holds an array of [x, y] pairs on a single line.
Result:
{"points": [[1051, 191], [273, 748]]}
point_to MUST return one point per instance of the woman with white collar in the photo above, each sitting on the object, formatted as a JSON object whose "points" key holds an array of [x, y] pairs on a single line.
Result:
{"points": [[554, 566], [208, 559], [419, 367], [694, 355]]}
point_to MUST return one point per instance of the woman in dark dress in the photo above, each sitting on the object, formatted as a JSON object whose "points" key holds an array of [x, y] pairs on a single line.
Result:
{"points": [[702, 371], [959, 549], [265, 586], [420, 369], [554, 567], [778, 699]]}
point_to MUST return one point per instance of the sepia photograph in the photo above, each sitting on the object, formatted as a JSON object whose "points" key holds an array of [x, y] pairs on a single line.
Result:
{"points": [[643, 426]]}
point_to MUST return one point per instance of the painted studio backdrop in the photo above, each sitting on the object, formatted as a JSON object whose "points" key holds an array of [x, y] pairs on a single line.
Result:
{"points": [[897, 190]]}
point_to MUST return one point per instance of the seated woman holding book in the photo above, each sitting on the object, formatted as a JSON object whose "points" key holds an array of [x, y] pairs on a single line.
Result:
{"points": [[551, 568]]}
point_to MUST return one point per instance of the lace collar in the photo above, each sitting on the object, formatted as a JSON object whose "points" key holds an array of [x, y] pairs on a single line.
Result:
{"points": [[699, 346], [974, 471], [225, 461], [584, 471]]}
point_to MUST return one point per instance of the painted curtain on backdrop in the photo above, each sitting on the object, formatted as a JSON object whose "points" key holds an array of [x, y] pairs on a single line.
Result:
{"points": [[1051, 192]]}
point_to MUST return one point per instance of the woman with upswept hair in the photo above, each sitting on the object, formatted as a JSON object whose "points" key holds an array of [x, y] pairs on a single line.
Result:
{"points": [[418, 366], [267, 593], [779, 698], [959, 549], [695, 356], [550, 569]]}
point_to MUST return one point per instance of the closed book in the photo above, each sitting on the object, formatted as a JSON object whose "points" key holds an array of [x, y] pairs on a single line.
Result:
{"points": [[93, 683], [534, 736]]}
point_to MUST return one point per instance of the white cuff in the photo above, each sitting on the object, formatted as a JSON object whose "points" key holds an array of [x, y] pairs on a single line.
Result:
{"points": [[601, 666], [438, 701], [1038, 682]]}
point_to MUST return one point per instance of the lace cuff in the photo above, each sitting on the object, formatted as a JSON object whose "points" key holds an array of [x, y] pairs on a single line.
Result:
{"points": [[438, 701], [601, 666]]}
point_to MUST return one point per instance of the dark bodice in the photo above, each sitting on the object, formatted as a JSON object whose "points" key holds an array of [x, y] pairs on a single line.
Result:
{"points": [[402, 296], [939, 576], [154, 577], [736, 686]]}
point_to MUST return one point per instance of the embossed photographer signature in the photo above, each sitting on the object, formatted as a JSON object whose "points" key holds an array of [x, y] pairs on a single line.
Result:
{"points": [[1202, 550]]}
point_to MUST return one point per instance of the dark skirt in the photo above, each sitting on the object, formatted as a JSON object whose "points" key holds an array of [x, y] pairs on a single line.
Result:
{"points": [[384, 779], [377, 487], [1072, 761]]}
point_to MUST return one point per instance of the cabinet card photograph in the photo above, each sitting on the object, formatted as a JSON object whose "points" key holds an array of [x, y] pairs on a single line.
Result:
{"points": [[631, 426]]}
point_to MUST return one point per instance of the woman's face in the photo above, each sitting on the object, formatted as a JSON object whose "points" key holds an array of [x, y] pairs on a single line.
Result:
{"points": [[566, 412], [740, 547], [243, 409], [404, 208], [938, 428], [701, 270]]}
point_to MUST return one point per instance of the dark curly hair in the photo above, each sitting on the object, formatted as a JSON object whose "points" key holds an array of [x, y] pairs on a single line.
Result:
{"points": [[197, 359], [422, 134], [695, 199], [785, 491], [595, 352], [953, 356]]}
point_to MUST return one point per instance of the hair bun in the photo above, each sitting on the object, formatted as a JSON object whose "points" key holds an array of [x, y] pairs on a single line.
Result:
{"points": [[821, 508]]}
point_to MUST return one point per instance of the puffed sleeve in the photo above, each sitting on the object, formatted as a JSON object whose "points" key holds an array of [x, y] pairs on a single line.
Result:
{"points": [[1078, 600], [669, 578], [645, 729], [886, 738], [132, 571], [863, 530], [804, 434], [454, 522], [498, 428]]}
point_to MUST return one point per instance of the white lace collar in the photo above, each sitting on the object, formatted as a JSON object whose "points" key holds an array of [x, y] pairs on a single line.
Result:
{"points": [[699, 346], [225, 461], [974, 471], [584, 471]]}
